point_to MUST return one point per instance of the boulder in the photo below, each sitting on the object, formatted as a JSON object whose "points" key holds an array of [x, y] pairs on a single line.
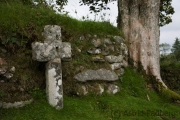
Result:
{"points": [[100, 74], [114, 59]]}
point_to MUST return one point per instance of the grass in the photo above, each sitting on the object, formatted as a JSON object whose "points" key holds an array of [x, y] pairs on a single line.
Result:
{"points": [[130, 103], [22, 24], [169, 62]]}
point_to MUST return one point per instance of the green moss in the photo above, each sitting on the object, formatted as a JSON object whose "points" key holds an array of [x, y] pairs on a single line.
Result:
{"points": [[170, 95]]}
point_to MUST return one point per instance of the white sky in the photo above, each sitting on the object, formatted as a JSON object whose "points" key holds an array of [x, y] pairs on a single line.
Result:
{"points": [[172, 30], [168, 33]]}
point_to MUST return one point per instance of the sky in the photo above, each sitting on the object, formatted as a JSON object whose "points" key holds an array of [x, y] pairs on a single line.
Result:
{"points": [[168, 33]]}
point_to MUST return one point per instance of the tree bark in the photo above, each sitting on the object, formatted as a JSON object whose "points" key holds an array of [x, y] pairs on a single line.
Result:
{"points": [[139, 21]]}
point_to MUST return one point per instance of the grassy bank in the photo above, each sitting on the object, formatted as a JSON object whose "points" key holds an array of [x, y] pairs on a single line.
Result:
{"points": [[22, 24], [130, 104]]}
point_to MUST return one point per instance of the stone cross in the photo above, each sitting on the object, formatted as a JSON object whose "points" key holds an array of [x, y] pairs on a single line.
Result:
{"points": [[52, 50]]}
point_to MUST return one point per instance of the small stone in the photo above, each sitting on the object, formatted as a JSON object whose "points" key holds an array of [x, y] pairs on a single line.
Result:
{"points": [[12, 69], [101, 88], [94, 51], [19, 104], [15, 104], [118, 39], [89, 35], [2, 70], [79, 50], [124, 48], [2, 81], [82, 37], [115, 66], [96, 42], [111, 48], [107, 41], [21, 89], [98, 59], [82, 90], [105, 51], [113, 89], [120, 72], [148, 97], [8, 75], [114, 59]]}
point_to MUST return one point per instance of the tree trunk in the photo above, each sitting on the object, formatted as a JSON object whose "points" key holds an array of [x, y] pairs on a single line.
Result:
{"points": [[139, 21]]}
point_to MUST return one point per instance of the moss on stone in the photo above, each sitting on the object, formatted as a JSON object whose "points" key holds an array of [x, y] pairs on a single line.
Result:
{"points": [[170, 95]]}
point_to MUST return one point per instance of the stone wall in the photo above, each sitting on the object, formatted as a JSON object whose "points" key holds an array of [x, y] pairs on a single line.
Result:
{"points": [[84, 64], [91, 64], [109, 51]]}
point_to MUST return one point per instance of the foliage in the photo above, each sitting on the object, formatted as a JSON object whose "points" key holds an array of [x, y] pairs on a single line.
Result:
{"points": [[176, 49], [164, 48], [165, 12], [171, 60]]}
